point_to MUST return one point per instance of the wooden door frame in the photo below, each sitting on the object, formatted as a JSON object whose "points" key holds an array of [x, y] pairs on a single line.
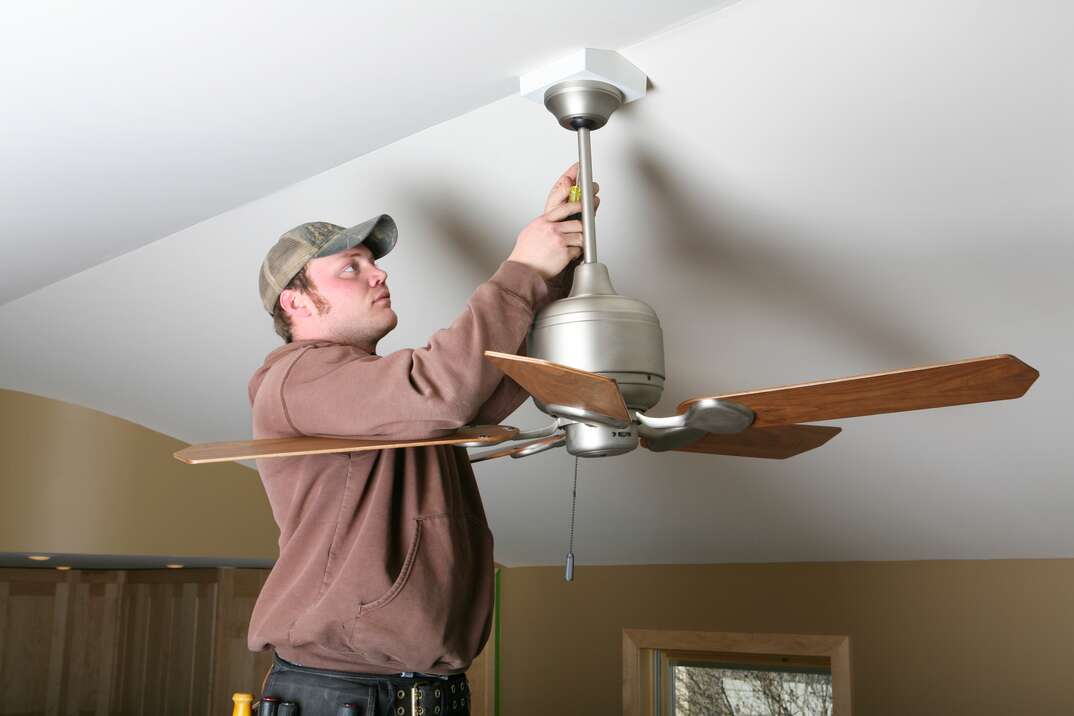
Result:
{"points": [[639, 643]]}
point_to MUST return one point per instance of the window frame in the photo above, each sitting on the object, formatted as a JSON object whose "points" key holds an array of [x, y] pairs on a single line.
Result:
{"points": [[645, 650]]}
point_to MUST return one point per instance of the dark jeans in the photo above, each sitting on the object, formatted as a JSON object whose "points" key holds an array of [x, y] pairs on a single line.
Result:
{"points": [[322, 692]]}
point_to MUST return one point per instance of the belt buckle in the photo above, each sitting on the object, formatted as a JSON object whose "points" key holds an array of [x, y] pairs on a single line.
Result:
{"points": [[416, 707], [438, 689]]}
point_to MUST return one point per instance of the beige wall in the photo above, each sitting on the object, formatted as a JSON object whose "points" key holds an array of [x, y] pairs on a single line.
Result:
{"points": [[926, 637], [960, 637], [74, 480]]}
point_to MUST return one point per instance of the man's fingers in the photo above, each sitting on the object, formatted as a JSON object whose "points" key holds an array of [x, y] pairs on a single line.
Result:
{"points": [[568, 227], [562, 211], [559, 212], [562, 187], [559, 193]]}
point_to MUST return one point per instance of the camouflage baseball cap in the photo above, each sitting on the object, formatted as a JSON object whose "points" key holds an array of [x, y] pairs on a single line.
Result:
{"points": [[315, 239]]}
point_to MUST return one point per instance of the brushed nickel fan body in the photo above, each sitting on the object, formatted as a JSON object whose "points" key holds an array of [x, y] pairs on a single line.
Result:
{"points": [[599, 331], [595, 329]]}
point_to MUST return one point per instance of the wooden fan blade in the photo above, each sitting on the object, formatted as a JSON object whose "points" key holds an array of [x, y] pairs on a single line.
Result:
{"points": [[778, 442], [555, 384], [513, 449], [289, 447], [977, 380]]}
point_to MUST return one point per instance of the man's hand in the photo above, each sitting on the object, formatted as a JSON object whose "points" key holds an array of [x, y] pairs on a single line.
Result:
{"points": [[549, 243]]}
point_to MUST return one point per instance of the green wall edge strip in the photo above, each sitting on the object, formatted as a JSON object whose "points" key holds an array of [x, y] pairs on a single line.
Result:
{"points": [[496, 643]]}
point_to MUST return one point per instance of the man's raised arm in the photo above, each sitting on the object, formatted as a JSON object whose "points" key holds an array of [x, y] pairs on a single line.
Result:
{"points": [[336, 387], [338, 390], [509, 395]]}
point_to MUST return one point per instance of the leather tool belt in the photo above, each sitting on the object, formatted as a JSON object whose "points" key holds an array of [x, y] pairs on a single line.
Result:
{"points": [[324, 692]]}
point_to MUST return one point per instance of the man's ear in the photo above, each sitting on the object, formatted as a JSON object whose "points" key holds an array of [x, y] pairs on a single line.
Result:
{"points": [[295, 303]]}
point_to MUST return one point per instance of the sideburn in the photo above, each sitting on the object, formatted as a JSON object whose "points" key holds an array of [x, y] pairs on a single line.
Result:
{"points": [[302, 282]]}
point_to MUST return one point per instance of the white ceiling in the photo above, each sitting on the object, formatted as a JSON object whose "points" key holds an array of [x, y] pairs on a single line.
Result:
{"points": [[810, 190], [126, 122]]}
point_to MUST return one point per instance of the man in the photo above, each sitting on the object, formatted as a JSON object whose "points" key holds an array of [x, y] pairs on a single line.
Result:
{"points": [[382, 593]]}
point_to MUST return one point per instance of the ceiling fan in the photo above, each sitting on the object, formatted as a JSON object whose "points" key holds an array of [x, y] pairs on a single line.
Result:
{"points": [[596, 365]]}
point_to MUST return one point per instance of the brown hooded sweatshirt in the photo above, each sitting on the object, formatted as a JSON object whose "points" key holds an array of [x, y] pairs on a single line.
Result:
{"points": [[385, 560]]}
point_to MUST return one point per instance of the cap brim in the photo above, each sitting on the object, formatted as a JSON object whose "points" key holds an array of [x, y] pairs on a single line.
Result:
{"points": [[378, 233]]}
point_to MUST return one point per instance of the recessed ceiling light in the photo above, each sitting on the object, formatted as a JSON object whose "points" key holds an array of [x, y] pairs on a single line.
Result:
{"points": [[63, 567], [39, 557], [174, 566]]}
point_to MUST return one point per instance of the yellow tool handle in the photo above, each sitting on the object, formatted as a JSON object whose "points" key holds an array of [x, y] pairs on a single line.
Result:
{"points": [[241, 703]]}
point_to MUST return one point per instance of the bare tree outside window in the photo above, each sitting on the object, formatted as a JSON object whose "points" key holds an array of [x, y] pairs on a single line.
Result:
{"points": [[711, 690]]}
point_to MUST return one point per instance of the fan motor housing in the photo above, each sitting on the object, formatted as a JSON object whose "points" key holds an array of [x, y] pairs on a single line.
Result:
{"points": [[597, 330]]}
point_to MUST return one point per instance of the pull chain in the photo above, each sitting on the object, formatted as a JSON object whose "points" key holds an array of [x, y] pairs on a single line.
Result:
{"points": [[570, 547]]}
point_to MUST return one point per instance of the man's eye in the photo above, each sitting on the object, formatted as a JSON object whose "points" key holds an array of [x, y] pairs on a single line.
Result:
{"points": [[348, 268]]}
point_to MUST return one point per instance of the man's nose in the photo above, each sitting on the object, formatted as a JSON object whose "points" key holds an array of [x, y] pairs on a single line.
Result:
{"points": [[377, 277]]}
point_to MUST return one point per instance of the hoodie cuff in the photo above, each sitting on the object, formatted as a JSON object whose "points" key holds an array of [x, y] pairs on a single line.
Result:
{"points": [[559, 286], [522, 281]]}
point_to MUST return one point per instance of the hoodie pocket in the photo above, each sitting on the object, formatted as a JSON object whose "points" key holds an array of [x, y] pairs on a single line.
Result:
{"points": [[326, 624], [436, 614]]}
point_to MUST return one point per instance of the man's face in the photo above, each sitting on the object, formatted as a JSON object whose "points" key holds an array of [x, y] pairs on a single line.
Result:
{"points": [[359, 309]]}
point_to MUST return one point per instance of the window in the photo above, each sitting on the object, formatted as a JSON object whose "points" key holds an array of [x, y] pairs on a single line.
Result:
{"points": [[693, 673], [725, 684]]}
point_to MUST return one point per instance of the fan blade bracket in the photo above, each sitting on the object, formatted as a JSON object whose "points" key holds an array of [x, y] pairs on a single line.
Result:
{"points": [[653, 425], [539, 432], [581, 415], [528, 448], [707, 415], [540, 446], [714, 415]]}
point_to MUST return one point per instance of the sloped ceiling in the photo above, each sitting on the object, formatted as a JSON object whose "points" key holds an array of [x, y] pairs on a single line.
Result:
{"points": [[810, 190], [126, 122]]}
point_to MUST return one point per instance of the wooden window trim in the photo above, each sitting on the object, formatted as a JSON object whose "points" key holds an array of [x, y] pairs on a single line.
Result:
{"points": [[639, 646]]}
